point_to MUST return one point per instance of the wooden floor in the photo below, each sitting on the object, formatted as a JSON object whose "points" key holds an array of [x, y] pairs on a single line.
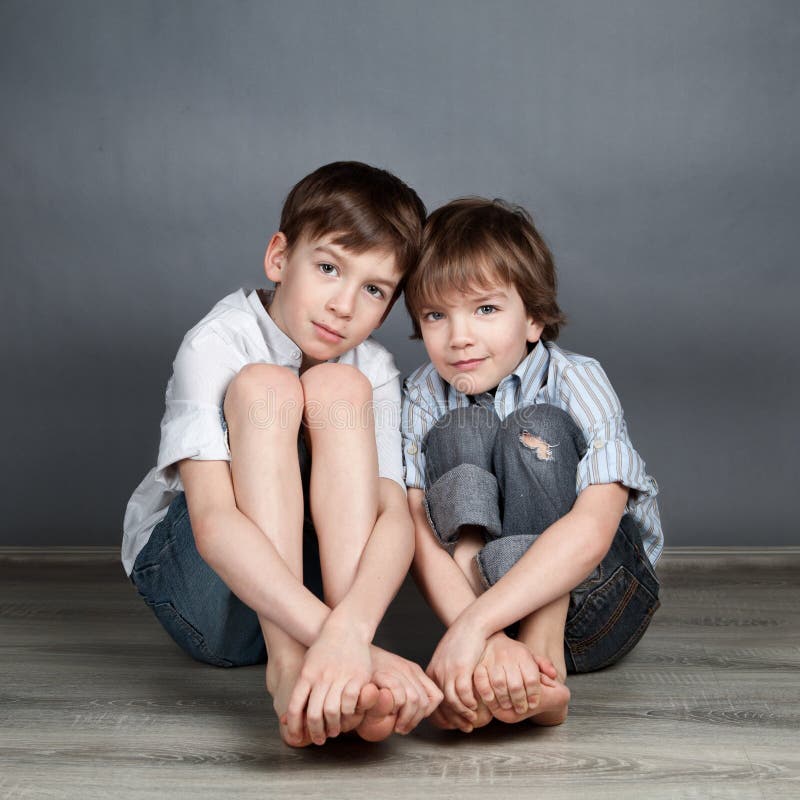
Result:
{"points": [[97, 702]]}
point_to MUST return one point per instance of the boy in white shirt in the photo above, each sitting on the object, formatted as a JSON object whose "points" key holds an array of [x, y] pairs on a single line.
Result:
{"points": [[276, 511]]}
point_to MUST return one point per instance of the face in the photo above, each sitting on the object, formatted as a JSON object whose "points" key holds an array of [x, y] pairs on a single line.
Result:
{"points": [[329, 299], [475, 340]]}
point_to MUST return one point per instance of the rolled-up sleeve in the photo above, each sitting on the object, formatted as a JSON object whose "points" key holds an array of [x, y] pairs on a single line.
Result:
{"points": [[610, 456], [193, 425], [416, 421]]}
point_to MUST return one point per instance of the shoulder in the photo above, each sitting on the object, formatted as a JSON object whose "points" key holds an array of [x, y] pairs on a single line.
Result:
{"points": [[230, 317], [580, 378], [374, 360], [425, 384]]}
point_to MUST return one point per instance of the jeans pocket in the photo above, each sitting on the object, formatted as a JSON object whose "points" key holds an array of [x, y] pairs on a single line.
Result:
{"points": [[610, 621], [186, 635]]}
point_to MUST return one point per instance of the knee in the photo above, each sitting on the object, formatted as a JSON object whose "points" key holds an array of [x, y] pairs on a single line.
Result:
{"points": [[260, 392], [337, 396], [463, 436], [327, 383], [541, 429]]}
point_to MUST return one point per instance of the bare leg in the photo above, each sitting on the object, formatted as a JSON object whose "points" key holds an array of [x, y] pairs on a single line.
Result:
{"points": [[263, 410], [344, 470], [543, 633], [344, 493], [470, 541]]}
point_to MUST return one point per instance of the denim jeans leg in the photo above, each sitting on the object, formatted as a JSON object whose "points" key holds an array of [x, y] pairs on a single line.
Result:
{"points": [[191, 601], [198, 610], [535, 459], [611, 610], [460, 487]]}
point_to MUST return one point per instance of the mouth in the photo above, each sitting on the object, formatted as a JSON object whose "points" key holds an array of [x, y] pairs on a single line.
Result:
{"points": [[329, 334], [469, 363]]}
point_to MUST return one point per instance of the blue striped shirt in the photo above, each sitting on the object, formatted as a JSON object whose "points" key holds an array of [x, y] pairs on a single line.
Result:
{"points": [[572, 382]]}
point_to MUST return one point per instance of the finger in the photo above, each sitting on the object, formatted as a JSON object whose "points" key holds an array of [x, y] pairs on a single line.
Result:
{"points": [[434, 693], [332, 710], [484, 687], [455, 721], [314, 713], [295, 711], [464, 690], [531, 678], [516, 688], [451, 697], [441, 719], [350, 694], [498, 679], [420, 704], [545, 665], [386, 680], [367, 698]]}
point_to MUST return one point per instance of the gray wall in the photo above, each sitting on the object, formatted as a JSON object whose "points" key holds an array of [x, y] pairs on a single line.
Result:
{"points": [[147, 147]]}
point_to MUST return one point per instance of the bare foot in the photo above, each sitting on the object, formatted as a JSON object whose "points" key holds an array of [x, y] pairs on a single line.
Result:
{"points": [[379, 720], [551, 709], [449, 719], [280, 682]]}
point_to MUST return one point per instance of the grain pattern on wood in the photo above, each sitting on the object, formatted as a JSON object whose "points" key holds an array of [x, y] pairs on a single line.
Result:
{"points": [[96, 701]]}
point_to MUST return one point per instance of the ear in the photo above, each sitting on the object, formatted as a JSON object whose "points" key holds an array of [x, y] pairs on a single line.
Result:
{"points": [[276, 257], [534, 330]]}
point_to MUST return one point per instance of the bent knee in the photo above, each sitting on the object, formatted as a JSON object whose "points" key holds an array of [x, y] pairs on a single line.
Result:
{"points": [[541, 428], [264, 388], [326, 383]]}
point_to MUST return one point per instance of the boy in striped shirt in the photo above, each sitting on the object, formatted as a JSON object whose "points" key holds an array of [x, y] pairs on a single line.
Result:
{"points": [[533, 512]]}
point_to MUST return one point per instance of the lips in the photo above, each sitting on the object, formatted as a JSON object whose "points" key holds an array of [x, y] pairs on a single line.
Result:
{"points": [[468, 363], [331, 333]]}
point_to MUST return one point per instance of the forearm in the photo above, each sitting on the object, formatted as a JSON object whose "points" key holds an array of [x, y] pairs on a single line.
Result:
{"points": [[560, 559], [245, 559], [381, 570], [439, 578]]}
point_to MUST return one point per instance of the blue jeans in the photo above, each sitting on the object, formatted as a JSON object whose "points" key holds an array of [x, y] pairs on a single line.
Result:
{"points": [[516, 477], [191, 601]]}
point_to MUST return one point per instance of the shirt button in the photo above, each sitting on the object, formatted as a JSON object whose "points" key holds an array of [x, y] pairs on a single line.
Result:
{"points": [[412, 450], [599, 444], [296, 354]]}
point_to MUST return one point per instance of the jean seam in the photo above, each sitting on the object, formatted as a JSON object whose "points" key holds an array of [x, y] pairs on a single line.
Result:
{"points": [[631, 641], [585, 644]]}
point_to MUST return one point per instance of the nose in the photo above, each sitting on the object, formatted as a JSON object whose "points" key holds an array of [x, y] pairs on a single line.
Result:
{"points": [[460, 333], [342, 303]]}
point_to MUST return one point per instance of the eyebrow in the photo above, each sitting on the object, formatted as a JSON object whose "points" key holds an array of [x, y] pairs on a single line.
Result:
{"points": [[339, 255]]}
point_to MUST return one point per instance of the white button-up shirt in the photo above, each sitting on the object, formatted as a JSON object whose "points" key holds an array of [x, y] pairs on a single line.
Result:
{"points": [[236, 332]]}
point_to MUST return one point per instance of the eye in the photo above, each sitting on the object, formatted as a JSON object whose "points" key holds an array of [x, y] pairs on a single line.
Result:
{"points": [[375, 291], [327, 269], [432, 316], [484, 311]]}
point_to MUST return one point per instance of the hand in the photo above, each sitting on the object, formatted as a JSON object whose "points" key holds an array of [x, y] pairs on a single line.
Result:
{"points": [[335, 669], [453, 663], [415, 694], [509, 675]]}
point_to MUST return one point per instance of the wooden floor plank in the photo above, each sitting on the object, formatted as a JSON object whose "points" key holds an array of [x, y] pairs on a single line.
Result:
{"points": [[96, 701]]}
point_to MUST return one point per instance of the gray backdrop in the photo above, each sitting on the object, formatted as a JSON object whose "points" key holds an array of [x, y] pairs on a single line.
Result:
{"points": [[147, 147]]}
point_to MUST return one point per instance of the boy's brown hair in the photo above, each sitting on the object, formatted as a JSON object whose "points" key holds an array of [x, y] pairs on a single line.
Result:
{"points": [[368, 207], [469, 243]]}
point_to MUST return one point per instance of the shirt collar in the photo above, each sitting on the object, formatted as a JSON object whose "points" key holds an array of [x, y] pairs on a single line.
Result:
{"points": [[532, 371], [277, 341]]}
